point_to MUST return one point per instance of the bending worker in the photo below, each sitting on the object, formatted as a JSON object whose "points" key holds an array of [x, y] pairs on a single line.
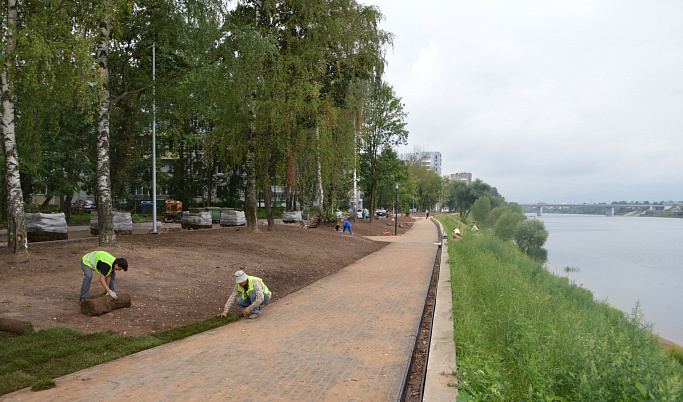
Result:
{"points": [[456, 234], [347, 225], [253, 294], [106, 266]]}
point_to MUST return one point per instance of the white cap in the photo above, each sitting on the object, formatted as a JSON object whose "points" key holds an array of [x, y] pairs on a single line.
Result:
{"points": [[240, 276]]}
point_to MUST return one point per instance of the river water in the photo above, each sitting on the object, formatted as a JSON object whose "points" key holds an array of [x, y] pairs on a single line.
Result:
{"points": [[623, 260]]}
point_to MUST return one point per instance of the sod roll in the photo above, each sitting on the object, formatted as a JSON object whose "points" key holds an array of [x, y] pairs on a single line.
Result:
{"points": [[105, 304], [16, 326]]}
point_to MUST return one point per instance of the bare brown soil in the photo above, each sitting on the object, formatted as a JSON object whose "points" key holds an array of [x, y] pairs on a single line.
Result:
{"points": [[175, 278]]}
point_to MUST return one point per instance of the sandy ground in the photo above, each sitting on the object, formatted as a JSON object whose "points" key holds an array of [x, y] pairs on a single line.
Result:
{"points": [[178, 277]]}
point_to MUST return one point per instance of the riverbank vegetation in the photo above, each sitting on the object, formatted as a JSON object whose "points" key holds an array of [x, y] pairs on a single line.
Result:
{"points": [[522, 333], [664, 214], [620, 210]]}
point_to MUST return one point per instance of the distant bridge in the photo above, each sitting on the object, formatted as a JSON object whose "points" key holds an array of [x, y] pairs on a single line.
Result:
{"points": [[609, 208]]}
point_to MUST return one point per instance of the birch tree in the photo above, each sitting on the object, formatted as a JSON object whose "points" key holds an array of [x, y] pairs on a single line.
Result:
{"points": [[16, 221], [183, 32], [243, 90], [355, 52], [105, 212], [46, 48], [386, 128]]}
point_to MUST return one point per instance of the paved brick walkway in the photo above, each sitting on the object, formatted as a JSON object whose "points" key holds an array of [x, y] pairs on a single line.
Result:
{"points": [[334, 340]]}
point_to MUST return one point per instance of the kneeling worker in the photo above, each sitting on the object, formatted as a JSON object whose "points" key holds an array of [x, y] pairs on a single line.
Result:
{"points": [[106, 266], [253, 294]]}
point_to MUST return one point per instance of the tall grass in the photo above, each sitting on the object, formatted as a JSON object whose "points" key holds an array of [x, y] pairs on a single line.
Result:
{"points": [[35, 359], [522, 333]]}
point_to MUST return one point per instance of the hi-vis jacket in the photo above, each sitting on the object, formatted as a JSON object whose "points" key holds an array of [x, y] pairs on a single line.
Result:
{"points": [[94, 259], [250, 287]]}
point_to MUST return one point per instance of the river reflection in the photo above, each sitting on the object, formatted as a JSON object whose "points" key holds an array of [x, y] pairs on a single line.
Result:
{"points": [[624, 260]]}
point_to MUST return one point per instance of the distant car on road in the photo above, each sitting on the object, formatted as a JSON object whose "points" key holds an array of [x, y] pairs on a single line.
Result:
{"points": [[381, 212], [83, 206]]}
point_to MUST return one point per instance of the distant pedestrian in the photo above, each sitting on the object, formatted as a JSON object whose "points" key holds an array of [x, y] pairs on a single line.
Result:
{"points": [[347, 225], [427, 214], [366, 213], [250, 292], [106, 266]]}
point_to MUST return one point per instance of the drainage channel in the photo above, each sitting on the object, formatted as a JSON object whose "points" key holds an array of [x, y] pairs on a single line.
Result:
{"points": [[413, 384]]}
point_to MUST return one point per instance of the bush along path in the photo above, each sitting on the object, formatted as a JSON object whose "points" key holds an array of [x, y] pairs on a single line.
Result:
{"points": [[522, 333]]}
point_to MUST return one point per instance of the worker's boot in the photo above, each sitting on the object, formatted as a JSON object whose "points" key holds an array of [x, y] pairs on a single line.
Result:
{"points": [[253, 315]]}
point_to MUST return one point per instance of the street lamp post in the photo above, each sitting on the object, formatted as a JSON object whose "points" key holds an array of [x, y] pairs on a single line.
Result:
{"points": [[154, 143], [396, 213]]}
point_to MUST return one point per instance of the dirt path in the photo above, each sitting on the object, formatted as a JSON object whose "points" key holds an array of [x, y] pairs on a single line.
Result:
{"points": [[174, 278]]}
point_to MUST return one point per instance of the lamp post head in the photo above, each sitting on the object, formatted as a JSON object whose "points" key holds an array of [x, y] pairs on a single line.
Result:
{"points": [[396, 186]]}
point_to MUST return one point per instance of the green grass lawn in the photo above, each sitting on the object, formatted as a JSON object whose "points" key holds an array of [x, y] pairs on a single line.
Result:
{"points": [[35, 359]]}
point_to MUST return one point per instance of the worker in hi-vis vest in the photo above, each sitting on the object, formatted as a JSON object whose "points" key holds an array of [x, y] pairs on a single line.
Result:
{"points": [[106, 266], [250, 292]]}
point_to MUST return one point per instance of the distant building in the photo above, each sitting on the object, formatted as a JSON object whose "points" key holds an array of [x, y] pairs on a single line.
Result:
{"points": [[465, 177], [432, 161]]}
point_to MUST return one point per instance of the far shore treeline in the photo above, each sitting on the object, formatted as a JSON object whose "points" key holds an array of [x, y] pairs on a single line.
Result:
{"points": [[667, 209]]}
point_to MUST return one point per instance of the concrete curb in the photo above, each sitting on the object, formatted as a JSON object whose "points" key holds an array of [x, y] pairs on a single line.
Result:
{"points": [[442, 359]]}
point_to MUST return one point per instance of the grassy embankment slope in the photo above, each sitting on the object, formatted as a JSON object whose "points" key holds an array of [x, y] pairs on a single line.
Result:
{"points": [[522, 333]]}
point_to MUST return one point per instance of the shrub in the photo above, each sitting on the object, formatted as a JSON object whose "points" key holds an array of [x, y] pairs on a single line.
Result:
{"points": [[530, 235], [481, 210], [506, 224]]}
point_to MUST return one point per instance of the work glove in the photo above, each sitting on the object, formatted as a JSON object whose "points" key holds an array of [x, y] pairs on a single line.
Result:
{"points": [[112, 294]]}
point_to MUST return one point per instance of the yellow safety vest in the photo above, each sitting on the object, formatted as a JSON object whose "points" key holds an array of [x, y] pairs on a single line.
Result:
{"points": [[91, 260], [251, 287]]}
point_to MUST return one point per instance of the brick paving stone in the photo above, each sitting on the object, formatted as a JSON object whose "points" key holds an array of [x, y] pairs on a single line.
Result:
{"points": [[334, 340]]}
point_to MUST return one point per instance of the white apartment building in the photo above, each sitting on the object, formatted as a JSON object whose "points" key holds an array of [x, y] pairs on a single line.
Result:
{"points": [[432, 161]]}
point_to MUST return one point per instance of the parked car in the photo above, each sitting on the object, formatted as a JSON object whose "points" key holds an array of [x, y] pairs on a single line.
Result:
{"points": [[83, 206], [381, 212]]}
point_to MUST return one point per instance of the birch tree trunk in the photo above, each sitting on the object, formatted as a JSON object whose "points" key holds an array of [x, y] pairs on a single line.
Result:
{"points": [[105, 224], [250, 162], [267, 192], [320, 175], [373, 184], [16, 220], [355, 171], [250, 192], [267, 201]]}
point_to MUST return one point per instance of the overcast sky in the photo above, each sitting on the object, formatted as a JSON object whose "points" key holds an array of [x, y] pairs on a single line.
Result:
{"points": [[553, 101]]}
